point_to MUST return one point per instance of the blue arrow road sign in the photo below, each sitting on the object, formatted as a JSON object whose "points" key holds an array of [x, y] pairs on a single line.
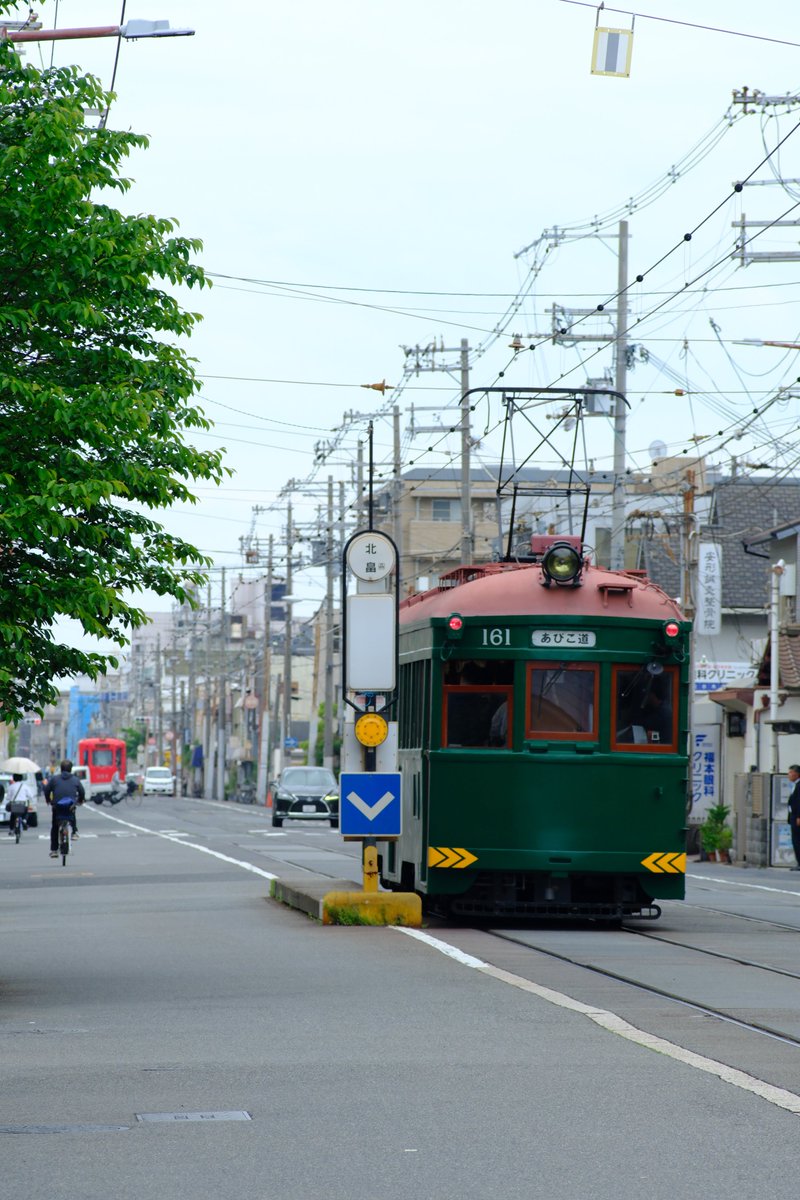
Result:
{"points": [[369, 804]]}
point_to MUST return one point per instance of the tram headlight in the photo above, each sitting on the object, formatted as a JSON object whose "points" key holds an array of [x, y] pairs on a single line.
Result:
{"points": [[562, 563]]}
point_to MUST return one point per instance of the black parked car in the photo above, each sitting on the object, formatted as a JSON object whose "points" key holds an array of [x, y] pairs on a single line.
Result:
{"points": [[306, 794]]}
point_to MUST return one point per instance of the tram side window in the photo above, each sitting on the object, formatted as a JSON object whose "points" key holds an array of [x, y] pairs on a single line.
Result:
{"points": [[562, 701], [644, 708], [414, 684]]}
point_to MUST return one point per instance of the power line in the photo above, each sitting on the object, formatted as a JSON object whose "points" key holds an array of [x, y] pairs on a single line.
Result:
{"points": [[756, 37]]}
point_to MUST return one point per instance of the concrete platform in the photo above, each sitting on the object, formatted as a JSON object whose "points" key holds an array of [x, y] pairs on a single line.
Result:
{"points": [[342, 902], [307, 894]]}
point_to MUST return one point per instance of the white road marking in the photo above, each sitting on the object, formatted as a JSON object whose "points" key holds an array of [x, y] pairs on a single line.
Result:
{"points": [[756, 887], [171, 837], [616, 1024]]}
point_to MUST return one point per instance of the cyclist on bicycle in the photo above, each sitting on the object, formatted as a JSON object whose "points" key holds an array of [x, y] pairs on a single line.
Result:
{"points": [[20, 800], [63, 792]]}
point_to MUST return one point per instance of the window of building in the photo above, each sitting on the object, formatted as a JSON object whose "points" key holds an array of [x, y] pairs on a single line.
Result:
{"points": [[445, 510], [643, 713], [562, 701]]}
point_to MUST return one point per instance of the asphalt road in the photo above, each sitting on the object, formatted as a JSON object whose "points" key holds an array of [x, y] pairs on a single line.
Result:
{"points": [[167, 1031]]}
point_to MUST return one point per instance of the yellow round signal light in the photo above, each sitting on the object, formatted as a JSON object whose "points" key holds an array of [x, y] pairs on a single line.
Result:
{"points": [[371, 729]]}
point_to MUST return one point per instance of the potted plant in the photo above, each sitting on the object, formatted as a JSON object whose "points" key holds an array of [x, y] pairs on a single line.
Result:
{"points": [[716, 837]]}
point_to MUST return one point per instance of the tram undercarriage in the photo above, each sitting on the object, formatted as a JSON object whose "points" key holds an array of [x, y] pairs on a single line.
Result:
{"points": [[537, 894]]}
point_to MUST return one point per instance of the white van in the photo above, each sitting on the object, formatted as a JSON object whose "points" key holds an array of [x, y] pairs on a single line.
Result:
{"points": [[83, 775], [158, 780]]}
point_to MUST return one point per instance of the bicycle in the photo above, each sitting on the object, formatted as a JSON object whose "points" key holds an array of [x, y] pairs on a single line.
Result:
{"points": [[134, 796], [18, 812], [129, 792], [64, 830]]}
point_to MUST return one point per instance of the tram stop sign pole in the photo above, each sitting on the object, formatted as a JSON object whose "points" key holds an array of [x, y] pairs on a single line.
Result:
{"points": [[370, 793]]}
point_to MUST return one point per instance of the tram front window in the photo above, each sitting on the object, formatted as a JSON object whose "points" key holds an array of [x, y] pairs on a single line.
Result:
{"points": [[562, 701], [476, 718], [643, 707]]}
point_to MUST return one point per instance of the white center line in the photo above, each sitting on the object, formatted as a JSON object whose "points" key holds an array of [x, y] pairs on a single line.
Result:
{"points": [[179, 841]]}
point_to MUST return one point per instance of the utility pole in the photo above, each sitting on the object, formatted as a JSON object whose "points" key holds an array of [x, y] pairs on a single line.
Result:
{"points": [[397, 498], [266, 672], [219, 790], [620, 385], [327, 740], [287, 643], [688, 587], [159, 714], [466, 491], [176, 755], [207, 754], [182, 766], [359, 485], [774, 661]]}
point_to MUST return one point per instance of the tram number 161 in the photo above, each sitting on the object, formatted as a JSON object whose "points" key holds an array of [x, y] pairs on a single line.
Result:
{"points": [[496, 637]]}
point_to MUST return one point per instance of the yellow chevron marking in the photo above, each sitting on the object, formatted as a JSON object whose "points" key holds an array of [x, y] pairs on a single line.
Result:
{"points": [[662, 863], [447, 856], [466, 858]]}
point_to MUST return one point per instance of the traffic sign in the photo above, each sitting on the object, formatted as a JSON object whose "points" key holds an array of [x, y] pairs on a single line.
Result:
{"points": [[290, 743], [369, 804]]}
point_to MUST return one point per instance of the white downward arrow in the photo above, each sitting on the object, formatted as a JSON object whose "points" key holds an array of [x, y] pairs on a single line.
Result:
{"points": [[370, 811]]}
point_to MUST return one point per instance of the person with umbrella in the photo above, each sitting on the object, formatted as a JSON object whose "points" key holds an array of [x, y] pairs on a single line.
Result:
{"points": [[19, 803], [19, 767]]}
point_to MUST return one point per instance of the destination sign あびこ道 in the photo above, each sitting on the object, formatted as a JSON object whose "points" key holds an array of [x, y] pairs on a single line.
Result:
{"points": [[563, 637]]}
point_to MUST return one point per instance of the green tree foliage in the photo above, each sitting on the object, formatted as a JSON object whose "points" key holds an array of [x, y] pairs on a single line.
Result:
{"points": [[319, 743], [96, 399], [133, 737]]}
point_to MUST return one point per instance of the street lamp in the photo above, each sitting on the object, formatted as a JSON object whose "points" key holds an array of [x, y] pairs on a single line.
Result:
{"points": [[131, 31]]}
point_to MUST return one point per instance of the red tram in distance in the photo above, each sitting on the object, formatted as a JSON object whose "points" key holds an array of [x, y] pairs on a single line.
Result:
{"points": [[104, 757]]}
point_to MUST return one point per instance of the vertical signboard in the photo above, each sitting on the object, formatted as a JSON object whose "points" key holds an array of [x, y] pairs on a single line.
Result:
{"points": [[705, 771], [709, 588]]}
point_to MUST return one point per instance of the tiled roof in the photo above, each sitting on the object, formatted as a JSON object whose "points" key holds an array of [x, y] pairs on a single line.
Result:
{"points": [[789, 658], [742, 510], [739, 510]]}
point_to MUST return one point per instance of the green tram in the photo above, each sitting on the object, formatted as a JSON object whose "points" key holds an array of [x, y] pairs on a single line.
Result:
{"points": [[543, 734]]}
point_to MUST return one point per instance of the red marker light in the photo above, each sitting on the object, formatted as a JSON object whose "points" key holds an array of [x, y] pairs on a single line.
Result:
{"points": [[455, 623], [672, 629]]}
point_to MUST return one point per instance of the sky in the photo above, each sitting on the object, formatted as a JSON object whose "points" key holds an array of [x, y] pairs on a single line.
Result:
{"points": [[364, 177]]}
